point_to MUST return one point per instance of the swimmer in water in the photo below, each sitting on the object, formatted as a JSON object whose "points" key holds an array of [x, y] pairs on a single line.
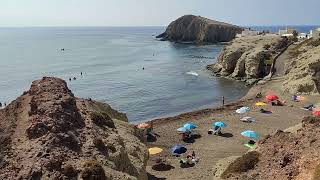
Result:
{"points": [[74, 78]]}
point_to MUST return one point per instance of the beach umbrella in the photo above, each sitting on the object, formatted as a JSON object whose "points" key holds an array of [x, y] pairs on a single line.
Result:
{"points": [[250, 134], [220, 124], [182, 129], [261, 104], [143, 126], [316, 113], [178, 149], [155, 150], [243, 110], [190, 126], [270, 98]]}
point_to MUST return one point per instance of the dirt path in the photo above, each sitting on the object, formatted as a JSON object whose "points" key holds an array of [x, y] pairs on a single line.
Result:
{"points": [[280, 66], [210, 148]]}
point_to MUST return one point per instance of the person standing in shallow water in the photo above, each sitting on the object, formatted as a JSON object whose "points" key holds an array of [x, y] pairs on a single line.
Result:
{"points": [[0, 104], [222, 101]]}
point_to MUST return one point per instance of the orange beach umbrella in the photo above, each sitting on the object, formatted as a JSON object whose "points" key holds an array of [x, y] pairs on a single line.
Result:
{"points": [[143, 126]]}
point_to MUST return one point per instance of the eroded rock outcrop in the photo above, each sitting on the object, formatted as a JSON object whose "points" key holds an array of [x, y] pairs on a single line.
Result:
{"points": [[249, 58], [196, 29], [303, 71], [47, 133], [283, 155]]}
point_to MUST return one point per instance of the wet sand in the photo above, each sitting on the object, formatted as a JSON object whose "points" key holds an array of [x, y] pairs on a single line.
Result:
{"points": [[210, 148]]}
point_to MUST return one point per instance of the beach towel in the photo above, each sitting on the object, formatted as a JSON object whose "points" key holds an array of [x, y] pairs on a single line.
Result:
{"points": [[250, 145], [248, 119]]}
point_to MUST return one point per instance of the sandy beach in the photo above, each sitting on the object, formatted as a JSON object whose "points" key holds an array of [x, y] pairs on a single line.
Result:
{"points": [[210, 148]]}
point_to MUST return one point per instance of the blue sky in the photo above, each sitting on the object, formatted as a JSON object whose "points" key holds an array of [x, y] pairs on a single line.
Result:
{"points": [[155, 13]]}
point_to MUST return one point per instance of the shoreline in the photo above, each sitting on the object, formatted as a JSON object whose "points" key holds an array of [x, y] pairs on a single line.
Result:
{"points": [[210, 148]]}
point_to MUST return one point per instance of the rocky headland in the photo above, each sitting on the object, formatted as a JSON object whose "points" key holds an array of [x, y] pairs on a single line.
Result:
{"points": [[197, 29], [48, 133], [303, 69], [249, 58]]}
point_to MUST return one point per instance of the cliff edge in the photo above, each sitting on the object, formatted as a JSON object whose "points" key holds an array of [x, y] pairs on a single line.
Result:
{"points": [[48, 133], [196, 29], [249, 58]]}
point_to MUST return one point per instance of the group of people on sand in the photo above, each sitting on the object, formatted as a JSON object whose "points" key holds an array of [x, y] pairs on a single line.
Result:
{"points": [[190, 159]]}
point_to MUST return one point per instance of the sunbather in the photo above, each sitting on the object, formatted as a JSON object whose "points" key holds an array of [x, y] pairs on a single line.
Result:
{"points": [[217, 130]]}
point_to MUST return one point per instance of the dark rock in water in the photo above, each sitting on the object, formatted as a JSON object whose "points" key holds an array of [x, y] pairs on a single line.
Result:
{"points": [[196, 29]]}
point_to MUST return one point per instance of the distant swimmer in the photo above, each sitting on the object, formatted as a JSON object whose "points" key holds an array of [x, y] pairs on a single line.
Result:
{"points": [[69, 79], [0, 104], [153, 54], [143, 68], [5, 104], [74, 78], [81, 73], [62, 49]]}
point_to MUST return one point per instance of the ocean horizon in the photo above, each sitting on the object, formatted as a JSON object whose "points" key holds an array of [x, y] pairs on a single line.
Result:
{"points": [[126, 67]]}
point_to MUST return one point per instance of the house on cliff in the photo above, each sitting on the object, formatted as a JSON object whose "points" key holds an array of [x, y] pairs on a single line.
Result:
{"points": [[248, 32]]}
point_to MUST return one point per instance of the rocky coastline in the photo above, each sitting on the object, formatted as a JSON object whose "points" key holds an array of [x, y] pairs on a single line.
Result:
{"points": [[249, 59]]}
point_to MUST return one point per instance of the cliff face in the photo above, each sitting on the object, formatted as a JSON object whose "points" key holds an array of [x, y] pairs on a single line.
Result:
{"points": [[196, 29], [248, 58], [283, 155], [303, 71], [47, 133]]}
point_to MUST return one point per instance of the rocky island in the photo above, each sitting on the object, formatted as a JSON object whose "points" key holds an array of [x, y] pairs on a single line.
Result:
{"points": [[48, 133], [197, 29]]}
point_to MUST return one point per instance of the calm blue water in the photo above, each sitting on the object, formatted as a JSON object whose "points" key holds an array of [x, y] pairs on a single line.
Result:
{"points": [[301, 29], [112, 60]]}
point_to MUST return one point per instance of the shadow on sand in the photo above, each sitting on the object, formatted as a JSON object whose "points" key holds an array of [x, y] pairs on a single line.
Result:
{"points": [[152, 177], [226, 135], [162, 167]]}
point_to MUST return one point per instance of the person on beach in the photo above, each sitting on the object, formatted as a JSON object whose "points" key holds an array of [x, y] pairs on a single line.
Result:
{"points": [[5, 104], [222, 101], [0, 104]]}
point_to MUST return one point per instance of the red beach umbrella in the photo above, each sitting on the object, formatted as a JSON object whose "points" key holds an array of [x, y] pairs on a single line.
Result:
{"points": [[316, 113], [270, 98]]}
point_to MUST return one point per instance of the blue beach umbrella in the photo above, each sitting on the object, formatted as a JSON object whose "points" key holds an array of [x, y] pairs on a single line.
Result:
{"points": [[220, 124], [243, 110], [182, 129], [178, 149], [190, 126], [250, 134]]}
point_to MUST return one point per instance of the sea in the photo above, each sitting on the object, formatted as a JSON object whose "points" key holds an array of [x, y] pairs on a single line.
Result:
{"points": [[126, 67]]}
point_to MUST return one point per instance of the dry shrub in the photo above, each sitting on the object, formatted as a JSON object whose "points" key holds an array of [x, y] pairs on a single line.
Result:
{"points": [[102, 119], [92, 170], [242, 164], [69, 171]]}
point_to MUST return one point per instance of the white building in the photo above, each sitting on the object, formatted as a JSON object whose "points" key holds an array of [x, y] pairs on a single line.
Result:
{"points": [[315, 34], [248, 32], [286, 32], [303, 36]]}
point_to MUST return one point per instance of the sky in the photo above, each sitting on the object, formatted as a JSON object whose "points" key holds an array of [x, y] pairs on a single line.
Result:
{"points": [[155, 12]]}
